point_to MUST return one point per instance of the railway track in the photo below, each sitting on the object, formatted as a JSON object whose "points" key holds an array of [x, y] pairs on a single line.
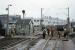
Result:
{"points": [[23, 45], [57, 45], [32, 43], [11, 43], [43, 48]]}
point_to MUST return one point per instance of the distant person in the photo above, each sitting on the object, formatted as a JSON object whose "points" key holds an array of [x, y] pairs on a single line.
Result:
{"points": [[44, 33], [66, 34], [58, 34], [48, 31], [52, 32]]}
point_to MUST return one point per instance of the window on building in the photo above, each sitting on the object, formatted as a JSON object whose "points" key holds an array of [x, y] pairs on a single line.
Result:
{"points": [[42, 20], [37, 20], [34, 20]]}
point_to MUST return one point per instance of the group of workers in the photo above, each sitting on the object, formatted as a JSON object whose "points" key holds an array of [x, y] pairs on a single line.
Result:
{"points": [[51, 31]]}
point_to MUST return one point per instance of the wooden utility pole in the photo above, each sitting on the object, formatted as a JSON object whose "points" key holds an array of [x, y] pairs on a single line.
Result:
{"points": [[68, 22], [8, 20], [41, 19]]}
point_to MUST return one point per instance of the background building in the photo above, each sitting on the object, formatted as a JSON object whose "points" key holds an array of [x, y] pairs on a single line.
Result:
{"points": [[48, 21], [24, 27], [12, 19]]}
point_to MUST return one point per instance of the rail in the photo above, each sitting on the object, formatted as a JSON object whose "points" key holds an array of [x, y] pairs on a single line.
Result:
{"points": [[31, 43], [43, 48], [58, 45], [16, 44]]}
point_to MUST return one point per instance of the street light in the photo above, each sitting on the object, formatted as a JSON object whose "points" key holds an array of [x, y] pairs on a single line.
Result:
{"points": [[8, 19]]}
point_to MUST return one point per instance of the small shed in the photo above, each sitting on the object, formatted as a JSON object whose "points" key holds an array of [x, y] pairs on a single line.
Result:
{"points": [[73, 26], [24, 27]]}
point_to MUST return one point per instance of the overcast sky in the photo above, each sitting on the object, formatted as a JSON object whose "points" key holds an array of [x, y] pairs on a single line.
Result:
{"points": [[54, 8]]}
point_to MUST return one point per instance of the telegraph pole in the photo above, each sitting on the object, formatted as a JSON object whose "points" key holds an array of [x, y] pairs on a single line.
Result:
{"points": [[68, 19], [68, 11], [8, 20], [41, 19], [68, 22]]}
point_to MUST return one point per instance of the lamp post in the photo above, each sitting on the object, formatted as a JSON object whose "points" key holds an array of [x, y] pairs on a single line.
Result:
{"points": [[8, 19]]}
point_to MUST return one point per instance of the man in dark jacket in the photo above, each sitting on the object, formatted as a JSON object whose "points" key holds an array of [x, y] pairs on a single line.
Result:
{"points": [[44, 33], [48, 31]]}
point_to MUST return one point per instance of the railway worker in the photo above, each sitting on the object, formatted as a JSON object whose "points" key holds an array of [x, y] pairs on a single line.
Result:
{"points": [[14, 29], [52, 31], [48, 30], [59, 34], [12, 32], [44, 33], [66, 34]]}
